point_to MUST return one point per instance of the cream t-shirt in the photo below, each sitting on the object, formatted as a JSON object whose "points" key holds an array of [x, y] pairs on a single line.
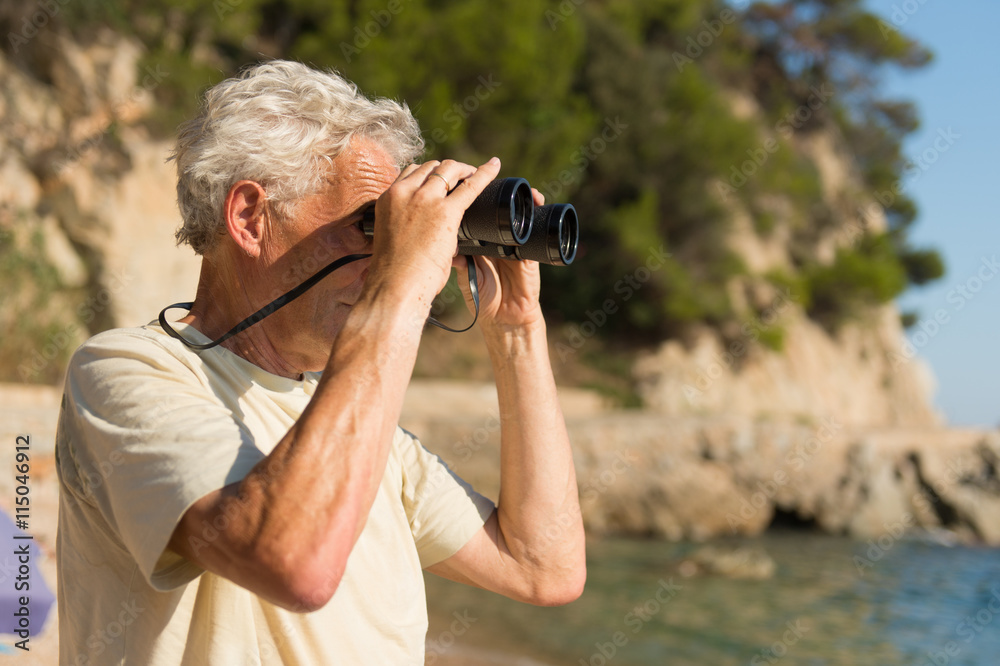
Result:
{"points": [[147, 428]]}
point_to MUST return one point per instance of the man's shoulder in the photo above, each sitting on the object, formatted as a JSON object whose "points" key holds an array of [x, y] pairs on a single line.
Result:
{"points": [[133, 347], [127, 337]]}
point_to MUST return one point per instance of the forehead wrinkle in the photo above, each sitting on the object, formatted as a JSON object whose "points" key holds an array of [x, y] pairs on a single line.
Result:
{"points": [[361, 157], [363, 178]]}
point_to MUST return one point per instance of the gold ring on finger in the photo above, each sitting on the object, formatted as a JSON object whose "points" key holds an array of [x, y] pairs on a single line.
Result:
{"points": [[446, 183]]}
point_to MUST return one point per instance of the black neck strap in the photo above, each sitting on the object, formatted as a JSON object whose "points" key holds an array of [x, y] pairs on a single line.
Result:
{"points": [[291, 295]]}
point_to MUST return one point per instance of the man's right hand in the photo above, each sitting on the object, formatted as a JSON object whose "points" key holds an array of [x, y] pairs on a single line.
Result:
{"points": [[417, 219]]}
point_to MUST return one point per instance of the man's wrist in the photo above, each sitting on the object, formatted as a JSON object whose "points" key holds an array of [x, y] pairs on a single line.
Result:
{"points": [[506, 341]]}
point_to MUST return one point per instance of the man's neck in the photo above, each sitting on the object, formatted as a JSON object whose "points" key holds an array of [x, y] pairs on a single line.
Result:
{"points": [[220, 304]]}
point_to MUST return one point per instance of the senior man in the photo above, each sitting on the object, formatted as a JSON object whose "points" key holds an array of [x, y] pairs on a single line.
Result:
{"points": [[256, 502]]}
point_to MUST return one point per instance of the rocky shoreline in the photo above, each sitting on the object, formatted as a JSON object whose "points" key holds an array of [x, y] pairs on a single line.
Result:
{"points": [[643, 473], [699, 478]]}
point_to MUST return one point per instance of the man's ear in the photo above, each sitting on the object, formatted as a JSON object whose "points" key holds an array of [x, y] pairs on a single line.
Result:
{"points": [[245, 212]]}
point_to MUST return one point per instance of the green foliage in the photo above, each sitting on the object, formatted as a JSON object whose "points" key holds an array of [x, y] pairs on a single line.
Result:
{"points": [[772, 337], [175, 101], [615, 375], [922, 266], [625, 109], [38, 334], [867, 274]]}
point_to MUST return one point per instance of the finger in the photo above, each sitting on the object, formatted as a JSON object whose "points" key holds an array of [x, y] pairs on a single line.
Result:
{"points": [[408, 170], [451, 173], [409, 179], [418, 174], [466, 192], [537, 197], [444, 175], [461, 265]]}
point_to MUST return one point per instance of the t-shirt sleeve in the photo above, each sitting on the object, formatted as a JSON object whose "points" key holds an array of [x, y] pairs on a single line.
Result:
{"points": [[148, 439], [444, 511]]}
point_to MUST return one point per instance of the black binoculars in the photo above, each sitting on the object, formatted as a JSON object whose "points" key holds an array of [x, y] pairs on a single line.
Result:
{"points": [[504, 222]]}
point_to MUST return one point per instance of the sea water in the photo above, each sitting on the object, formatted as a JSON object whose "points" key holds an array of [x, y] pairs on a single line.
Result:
{"points": [[830, 601]]}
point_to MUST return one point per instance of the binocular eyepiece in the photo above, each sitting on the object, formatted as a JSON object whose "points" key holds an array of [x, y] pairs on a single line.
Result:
{"points": [[504, 222]]}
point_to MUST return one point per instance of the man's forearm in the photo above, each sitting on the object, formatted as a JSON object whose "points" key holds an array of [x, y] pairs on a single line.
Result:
{"points": [[295, 517], [352, 417], [538, 510]]}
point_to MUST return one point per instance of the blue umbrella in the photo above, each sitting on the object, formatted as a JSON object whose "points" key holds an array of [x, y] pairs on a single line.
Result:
{"points": [[25, 598]]}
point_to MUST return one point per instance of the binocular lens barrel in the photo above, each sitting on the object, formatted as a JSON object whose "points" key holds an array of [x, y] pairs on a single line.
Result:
{"points": [[503, 222], [554, 236], [502, 213]]}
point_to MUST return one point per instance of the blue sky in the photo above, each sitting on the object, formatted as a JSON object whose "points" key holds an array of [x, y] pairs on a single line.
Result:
{"points": [[957, 196]]}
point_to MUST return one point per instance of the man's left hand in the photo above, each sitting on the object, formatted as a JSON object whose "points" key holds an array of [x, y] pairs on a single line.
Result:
{"points": [[508, 289]]}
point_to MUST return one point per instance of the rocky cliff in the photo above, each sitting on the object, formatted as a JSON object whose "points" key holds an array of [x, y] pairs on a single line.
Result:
{"points": [[80, 175], [699, 477], [834, 431], [858, 371]]}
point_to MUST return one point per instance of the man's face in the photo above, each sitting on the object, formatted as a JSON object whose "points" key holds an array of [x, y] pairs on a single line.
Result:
{"points": [[323, 228]]}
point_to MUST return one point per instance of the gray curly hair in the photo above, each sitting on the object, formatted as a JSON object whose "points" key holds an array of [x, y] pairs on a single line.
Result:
{"points": [[280, 124]]}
